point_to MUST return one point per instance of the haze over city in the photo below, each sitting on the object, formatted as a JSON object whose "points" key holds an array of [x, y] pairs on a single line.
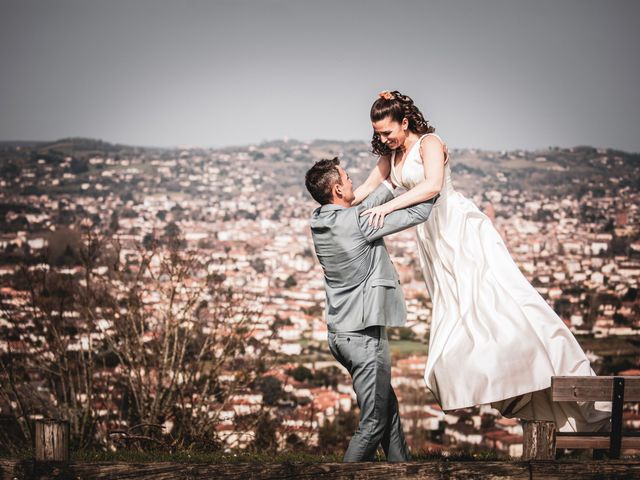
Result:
{"points": [[492, 75]]}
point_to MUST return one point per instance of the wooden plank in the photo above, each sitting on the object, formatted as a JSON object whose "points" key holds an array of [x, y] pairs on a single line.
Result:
{"points": [[435, 470], [571, 389], [432, 470], [586, 470], [594, 441]]}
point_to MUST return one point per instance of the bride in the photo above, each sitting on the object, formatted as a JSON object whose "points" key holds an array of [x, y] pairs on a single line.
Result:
{"points": [[493, 338]]}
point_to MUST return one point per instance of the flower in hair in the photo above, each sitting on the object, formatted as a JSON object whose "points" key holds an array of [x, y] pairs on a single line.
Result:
{"points": [[386, 94]]}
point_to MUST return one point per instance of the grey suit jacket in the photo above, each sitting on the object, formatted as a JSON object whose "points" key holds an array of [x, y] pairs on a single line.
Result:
{"points": [[362, 286]]}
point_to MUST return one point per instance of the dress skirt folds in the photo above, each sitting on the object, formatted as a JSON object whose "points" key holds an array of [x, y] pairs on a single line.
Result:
{"points": [[494, 339]]}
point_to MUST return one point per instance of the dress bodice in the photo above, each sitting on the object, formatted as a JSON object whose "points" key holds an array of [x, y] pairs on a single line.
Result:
{"points": [[411, 172]]}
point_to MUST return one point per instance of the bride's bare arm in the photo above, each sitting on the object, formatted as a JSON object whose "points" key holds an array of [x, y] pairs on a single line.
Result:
{"points": [[433, 157], [379, 173]]}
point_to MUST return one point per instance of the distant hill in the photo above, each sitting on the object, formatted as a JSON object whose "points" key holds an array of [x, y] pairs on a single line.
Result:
{"points": [[17, 155], [549, 171]]}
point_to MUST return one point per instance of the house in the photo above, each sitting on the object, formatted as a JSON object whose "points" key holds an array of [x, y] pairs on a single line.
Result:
{"points": [[462, 433]]}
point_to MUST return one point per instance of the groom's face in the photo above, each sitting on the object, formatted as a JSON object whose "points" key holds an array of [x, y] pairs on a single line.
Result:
{"points": [[344, 191]]}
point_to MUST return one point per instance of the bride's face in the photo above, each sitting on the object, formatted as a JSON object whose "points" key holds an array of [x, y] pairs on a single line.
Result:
{"points": [[391, 133]]}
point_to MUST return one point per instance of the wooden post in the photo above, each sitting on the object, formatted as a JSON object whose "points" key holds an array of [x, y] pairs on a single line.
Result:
{"points": [[52, 441], [539, 440]]}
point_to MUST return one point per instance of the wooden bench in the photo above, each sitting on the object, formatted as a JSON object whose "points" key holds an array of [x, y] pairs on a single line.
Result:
{"points": [[608, 389]]}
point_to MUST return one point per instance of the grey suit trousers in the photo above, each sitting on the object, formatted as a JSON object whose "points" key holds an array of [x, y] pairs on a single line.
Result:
{"points": [[365, 354]]}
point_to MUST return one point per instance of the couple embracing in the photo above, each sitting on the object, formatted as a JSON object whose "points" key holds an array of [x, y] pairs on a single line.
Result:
{"points": [[493, 338]]}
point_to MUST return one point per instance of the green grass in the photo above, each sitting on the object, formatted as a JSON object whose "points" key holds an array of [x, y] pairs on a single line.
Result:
{"points": [[613, 345], [21, 455], [408, 347], [458, 456], [320, 352], [153, 456], [248, 457], [200, 457]]}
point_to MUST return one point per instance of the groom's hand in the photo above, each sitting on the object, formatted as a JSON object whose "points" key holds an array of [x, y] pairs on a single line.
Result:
{"points": [[376, 215]]}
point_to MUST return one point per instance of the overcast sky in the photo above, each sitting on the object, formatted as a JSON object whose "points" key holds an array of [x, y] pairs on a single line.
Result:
{"points": [[492, 74]]}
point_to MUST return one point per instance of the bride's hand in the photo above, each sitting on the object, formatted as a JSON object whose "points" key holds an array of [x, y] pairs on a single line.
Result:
{"points": [[376, 215]]}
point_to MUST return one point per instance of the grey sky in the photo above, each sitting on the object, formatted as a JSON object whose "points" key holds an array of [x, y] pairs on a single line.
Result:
{"points": [[493, 74]]}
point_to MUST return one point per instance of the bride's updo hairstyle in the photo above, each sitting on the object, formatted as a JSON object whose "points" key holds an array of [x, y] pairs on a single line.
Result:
{"points": [[397, 106]]}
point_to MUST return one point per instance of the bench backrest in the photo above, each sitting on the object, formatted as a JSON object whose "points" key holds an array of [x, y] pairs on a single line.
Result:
{"points": [[568, 389]]}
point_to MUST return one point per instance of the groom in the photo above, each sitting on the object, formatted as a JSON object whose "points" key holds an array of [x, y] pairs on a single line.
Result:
{"points": [[363, 297]]}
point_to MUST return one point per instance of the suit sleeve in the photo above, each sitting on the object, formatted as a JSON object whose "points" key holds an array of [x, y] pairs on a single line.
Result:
{"points": [[396, 221], [380, 195]]}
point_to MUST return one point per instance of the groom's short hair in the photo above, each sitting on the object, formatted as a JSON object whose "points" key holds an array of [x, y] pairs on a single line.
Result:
{"points": [[321, 178]]}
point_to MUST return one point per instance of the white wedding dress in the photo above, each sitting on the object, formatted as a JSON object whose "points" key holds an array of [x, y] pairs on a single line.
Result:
{"points": [[493, 338]]}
